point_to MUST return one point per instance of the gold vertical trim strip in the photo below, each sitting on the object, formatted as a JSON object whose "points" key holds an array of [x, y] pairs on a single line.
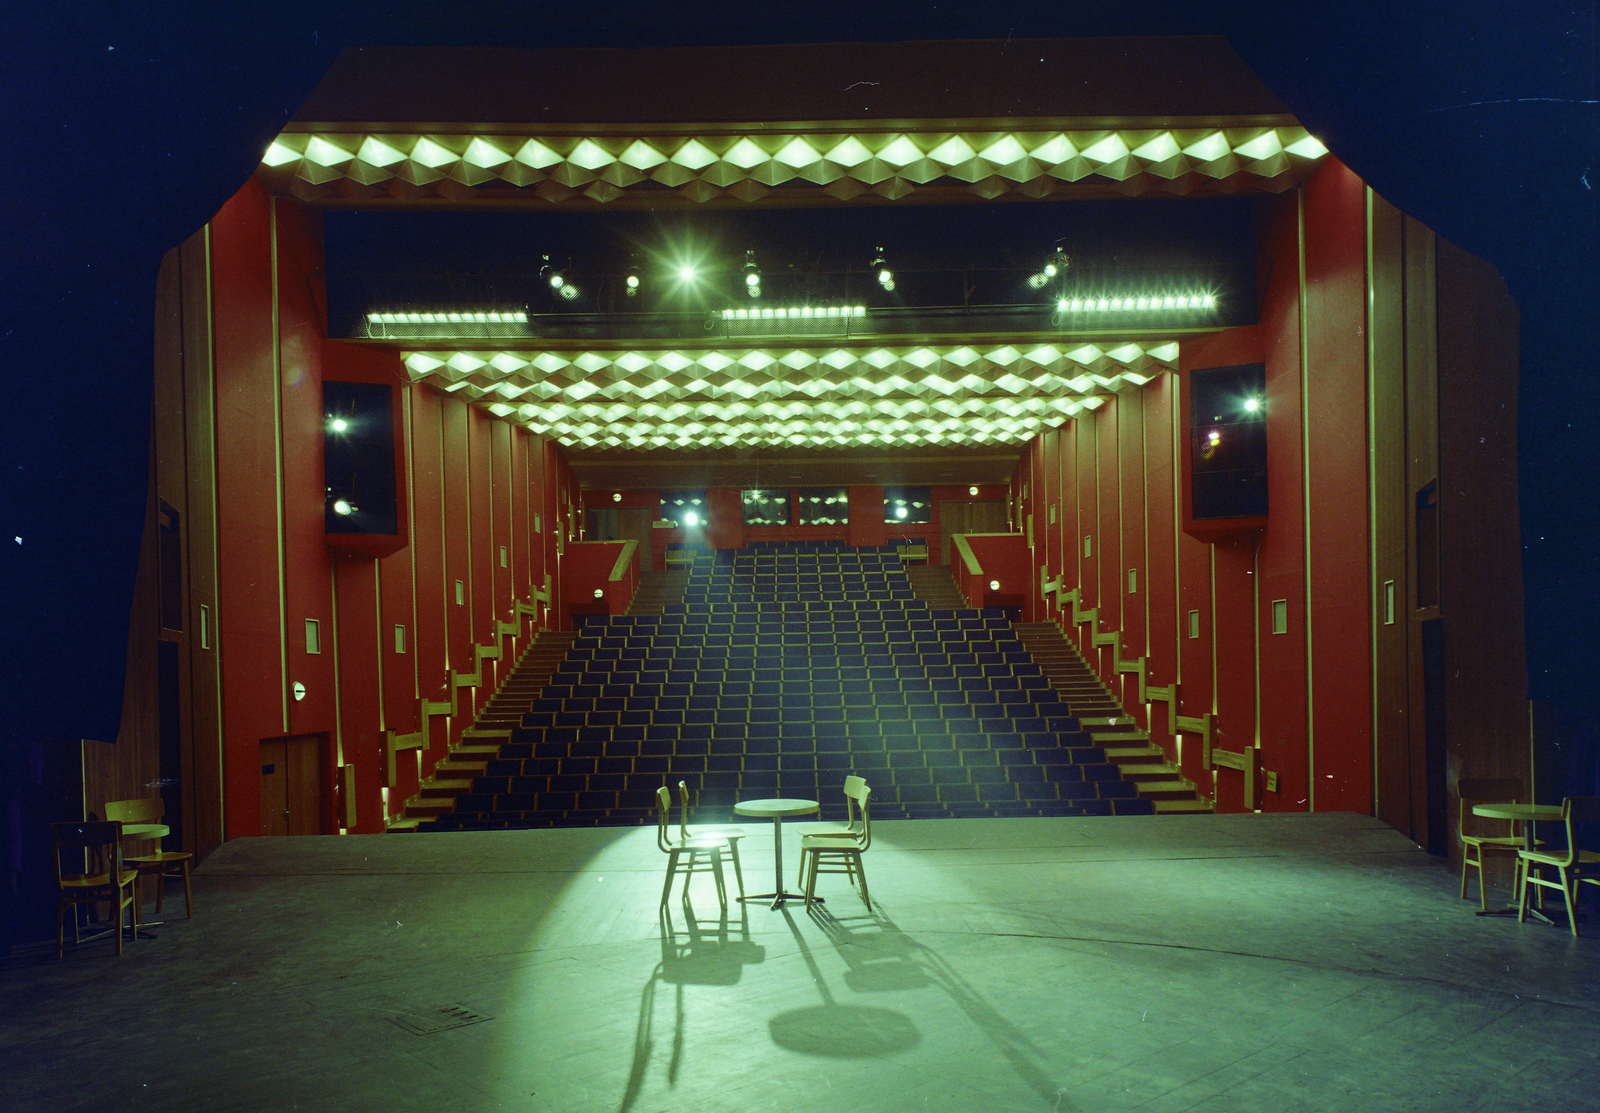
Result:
{"points": [[1305, 493], [216, 538], [1255, 629], [472, 599], [1372, 486], [411, 515], [277, 473], [377, 627], [338, 680], [446, 595], [1175, 420], [1144, 560], [1212, 550]]}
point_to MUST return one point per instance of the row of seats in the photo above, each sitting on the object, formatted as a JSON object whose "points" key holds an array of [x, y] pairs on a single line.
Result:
{"points": [[919, 640], [622, 624], [779, 683]]}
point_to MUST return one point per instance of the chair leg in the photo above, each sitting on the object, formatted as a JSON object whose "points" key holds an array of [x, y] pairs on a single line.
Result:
{"points": [[738, 874], [61, 928], [1522, 898], [672, 867], [716, 872], [1567, 885], [118, 908], [1466, 860], [188, 892], [1483, 883], [861, 869], [808, 870], [161, 886]]}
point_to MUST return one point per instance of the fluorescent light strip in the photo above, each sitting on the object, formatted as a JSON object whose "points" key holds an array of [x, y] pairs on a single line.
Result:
{"points": [[1145, 304], [468, 318], [794, 312]]}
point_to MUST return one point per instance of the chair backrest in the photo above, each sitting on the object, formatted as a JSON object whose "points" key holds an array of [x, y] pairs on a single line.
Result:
{"points": [[102, 837], [663, 819], [1576, 810], [683, 809], [152, 810], [1483, 790], [854, 786], [864, 805]]}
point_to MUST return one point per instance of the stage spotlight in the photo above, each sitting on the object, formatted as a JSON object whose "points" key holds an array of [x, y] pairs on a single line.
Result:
{"points": [[1054, 267], [686, 273], [338, 424], [1252, 405], [691, 519], [752, 275], [631, 283], [343, 507], [880, 264]]}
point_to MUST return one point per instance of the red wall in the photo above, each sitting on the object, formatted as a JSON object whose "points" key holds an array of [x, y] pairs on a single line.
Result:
{"points": [[587, 569], [1003, 559], [472, 485], [1112, 473]]}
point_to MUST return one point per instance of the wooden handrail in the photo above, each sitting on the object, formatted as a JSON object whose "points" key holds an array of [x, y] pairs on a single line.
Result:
{"points": [[968, 558], [620, 568]]}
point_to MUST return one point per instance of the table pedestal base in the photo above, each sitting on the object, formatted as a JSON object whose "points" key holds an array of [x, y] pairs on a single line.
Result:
{"points": [[778, 898]]}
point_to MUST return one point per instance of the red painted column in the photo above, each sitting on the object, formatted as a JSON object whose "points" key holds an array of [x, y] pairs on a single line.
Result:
{"points": [[867, 526], [249, 626], [1160, 572], [1336, 405]]}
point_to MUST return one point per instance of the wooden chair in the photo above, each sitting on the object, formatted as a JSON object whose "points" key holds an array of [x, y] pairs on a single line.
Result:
{"points": [[729, 835], [153, 811], [106, 879], [844, 849], [1574, 866], [703, 854], [1488, 790], [853, 787]]}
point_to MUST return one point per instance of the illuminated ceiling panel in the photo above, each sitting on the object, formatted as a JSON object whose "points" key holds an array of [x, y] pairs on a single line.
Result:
{"points": [[601, 169], [817, 398]]}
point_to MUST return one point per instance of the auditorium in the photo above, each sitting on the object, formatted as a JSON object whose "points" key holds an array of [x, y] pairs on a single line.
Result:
{"points": [[1036, 474]]}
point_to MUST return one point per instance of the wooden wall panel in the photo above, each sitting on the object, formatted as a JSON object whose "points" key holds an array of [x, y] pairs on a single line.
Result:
{"points": [[1486, 708], [1159, 579], [203, 766], [1386, 408]]}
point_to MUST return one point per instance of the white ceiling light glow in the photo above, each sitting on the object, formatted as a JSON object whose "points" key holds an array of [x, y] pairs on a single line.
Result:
{"points": [[799, 397], [700, 168]]}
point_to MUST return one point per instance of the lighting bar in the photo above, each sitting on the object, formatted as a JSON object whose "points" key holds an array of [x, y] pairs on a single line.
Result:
{"points": [[794, 312], [1145, 303], [470, 318]]}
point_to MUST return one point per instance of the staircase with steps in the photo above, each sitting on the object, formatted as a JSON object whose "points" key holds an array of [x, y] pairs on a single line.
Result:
{"points": [[935, 586], [658, 590], [481, 743], [1099, 713]]}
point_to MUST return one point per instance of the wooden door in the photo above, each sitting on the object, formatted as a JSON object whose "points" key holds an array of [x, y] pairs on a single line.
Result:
{"points": [[969, 516], [634, 524], [291, 785]]}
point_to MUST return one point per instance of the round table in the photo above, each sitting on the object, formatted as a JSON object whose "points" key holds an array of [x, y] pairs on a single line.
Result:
{"points": [[777, 808], [1528, 815]]}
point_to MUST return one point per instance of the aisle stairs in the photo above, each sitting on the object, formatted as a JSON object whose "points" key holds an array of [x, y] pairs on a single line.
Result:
{"points": [[493, 728], [1099, 713]]}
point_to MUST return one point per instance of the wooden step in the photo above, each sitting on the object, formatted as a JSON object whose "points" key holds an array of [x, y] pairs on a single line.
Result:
{"points": [[441, 787], [1134, 755], [452, 767], [428, 808], [1181, 807], [1125, 736]]}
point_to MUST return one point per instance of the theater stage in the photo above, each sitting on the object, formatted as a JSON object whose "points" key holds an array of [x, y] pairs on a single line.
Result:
{"points": [[1236, 962]]}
